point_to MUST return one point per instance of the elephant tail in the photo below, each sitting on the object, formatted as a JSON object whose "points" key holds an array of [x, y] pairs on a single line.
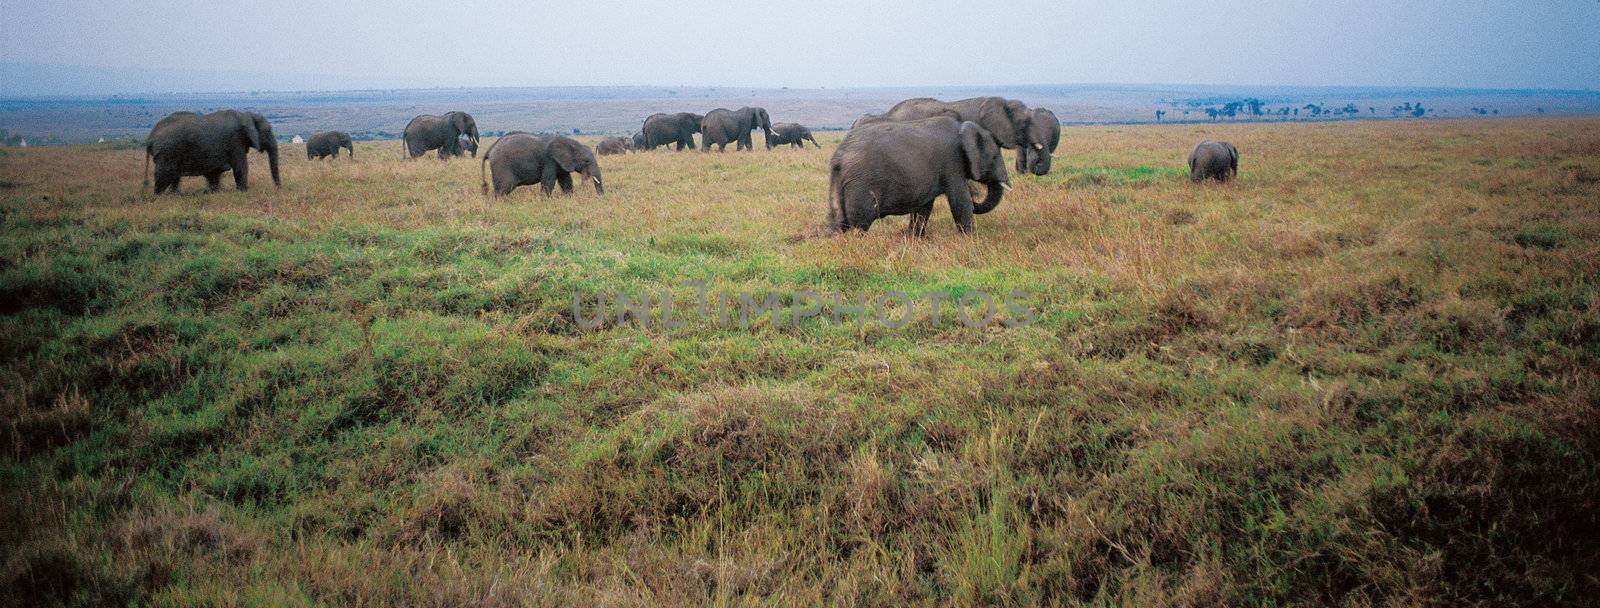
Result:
{"points": [[483, 177], [836, 216], [147, 154]]}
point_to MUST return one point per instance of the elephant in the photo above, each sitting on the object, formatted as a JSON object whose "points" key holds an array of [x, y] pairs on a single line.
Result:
{"points": [[614, 145], [466, 146], [520, 159], [790, 133], [1044, 135], [668, 129], [898, 168], [1213, 159], [722, 126], [867, 119], [327, 143], [186, 143], [638, 142], [428, 132], [1008, 120]]}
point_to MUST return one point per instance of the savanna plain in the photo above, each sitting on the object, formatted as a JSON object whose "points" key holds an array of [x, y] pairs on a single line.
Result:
{"points": [[1364, 373]]}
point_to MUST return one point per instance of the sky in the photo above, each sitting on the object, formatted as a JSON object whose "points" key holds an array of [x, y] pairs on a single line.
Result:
{"points": [[130, 46]]}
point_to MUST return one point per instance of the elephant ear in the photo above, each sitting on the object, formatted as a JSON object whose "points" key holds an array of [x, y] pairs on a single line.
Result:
{"points": [[565, 153], [251, 133], [974, 140], [1001, 119]]}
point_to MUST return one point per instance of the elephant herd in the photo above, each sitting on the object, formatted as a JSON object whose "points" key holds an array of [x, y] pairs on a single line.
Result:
{"points": [[895, 163]]}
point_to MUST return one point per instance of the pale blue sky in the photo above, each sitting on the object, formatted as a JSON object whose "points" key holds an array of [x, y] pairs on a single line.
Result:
{"points": [[828, 43]]}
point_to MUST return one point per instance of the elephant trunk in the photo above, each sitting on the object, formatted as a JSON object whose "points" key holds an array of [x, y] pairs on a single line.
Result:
{"points": [[593, 175], [272, 161], [992, 199]]}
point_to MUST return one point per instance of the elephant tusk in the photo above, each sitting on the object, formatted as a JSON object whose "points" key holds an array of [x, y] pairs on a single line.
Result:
{"points": [[1038, 146], [1006, 186], [596, 180]]}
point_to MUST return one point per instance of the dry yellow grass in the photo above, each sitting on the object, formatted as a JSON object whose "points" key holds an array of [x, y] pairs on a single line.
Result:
{"points": [[1364, 373]]}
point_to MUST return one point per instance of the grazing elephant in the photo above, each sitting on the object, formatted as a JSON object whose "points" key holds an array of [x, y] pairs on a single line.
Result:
{"points": [[790, 133], [1213, 159], [1008, 120], [442, 133], [896, 168], [520, 159], [466, 146], [185, 143], [1044, 134], [722, 126], [613, 145], [638, 141], [327, 143], [668, 129]]}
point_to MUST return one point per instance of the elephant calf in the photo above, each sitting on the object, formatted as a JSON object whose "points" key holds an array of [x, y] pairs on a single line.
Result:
{"points": [[520, 159], [186, 143], [614, 145], [899, 168], [1213, 159], [327, 143], [465, 146], [790, 133]]}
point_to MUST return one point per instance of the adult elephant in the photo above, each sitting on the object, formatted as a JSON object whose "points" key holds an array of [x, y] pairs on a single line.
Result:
{"points": [[790, 133], [1006, 119], [327, 143], [899, 168], [1217, 160], [186, 143], [613, 145], [1044, 135], [671, 129], [442, 133], [520, 159], [723, 126]]}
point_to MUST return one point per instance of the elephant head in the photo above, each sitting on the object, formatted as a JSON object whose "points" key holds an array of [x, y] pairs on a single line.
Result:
{"points": [[574, 157], [1044, 134], [759, 119], [984, 163], [257, 133], [463, 124]]}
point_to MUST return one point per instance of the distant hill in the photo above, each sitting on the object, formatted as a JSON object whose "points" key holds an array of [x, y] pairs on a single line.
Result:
{"points": [[377, 114]]}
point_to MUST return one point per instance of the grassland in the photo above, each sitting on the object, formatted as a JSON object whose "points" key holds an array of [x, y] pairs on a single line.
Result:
{"points": [[1365, 373]]}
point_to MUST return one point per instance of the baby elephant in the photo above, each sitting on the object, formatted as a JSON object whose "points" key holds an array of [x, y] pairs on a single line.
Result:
{"points": [[614, 145], [899, 168], [790, 133], [327, 143], [520, 159], [1213, 159], [465, 146]]}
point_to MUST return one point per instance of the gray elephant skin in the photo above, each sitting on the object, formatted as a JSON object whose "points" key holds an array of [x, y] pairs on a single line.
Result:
{"points": [[1008, 120], [899, 168], [638, 141], [466, 147], [327, 143], [671, 129], [520, 159], [613, 145], [1044, 135], [1217, 160], [186, 143], [442, 133], [790, 133], [723, 126]]}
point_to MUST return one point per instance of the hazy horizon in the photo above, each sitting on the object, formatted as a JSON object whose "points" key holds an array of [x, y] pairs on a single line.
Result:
{"points": [[102, 48]]}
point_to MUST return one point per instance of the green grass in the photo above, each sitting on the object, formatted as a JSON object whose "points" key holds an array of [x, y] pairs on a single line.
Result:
{"points": [[1357, 375]]}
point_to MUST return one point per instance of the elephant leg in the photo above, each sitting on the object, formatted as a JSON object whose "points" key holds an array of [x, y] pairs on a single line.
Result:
{"points": [[960, 198], [214, 181], [564, 179], [547, 179], [919, 222], [166, 179], [241, 174]]}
